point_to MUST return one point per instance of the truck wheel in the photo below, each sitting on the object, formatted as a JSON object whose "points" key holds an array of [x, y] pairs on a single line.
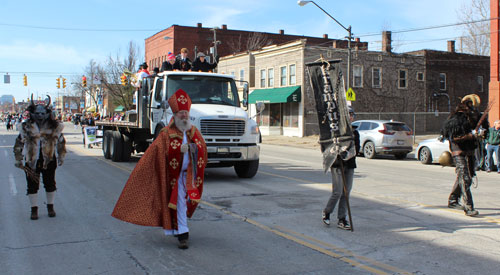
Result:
{"points": [[246, 169], [127, 148], [106, 141], [116, 146]]}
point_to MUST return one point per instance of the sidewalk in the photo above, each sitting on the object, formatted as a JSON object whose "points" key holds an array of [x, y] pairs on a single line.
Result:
{"points": [[311, 142]]}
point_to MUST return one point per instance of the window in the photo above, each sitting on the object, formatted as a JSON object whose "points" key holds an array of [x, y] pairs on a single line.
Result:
{"points": [[357, 76], [376, 77], [283, 76], [263, 117], [480, 83], [402, 79], [232, 73], [290, 114], [262, 78], [293, 79], [270, 78], [242, 75], [275, 114], [442, 81], [420, 76]]}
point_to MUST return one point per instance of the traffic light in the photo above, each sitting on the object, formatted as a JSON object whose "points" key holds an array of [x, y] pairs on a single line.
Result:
{"points": [[84, 81], [64, 82], [25, 80], [58, 84], [123, 79]]}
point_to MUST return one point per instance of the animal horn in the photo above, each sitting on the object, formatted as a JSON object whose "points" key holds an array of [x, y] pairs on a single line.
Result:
{"points": [[50, 100]]}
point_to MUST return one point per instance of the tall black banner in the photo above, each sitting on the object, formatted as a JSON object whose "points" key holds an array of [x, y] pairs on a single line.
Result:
{"points": [[336, 137]]}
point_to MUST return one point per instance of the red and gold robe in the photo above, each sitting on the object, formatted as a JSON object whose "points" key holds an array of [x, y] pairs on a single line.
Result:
{"points": [[150, 195]]}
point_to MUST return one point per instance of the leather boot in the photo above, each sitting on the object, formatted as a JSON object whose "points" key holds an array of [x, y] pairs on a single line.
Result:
{"points": [[50, 209], [34, 213]]}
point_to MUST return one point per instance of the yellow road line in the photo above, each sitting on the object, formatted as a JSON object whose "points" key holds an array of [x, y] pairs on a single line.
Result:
{"points": [[279, 231]]}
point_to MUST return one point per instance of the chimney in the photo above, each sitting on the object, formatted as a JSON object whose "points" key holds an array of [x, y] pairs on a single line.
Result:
{"points": [[282, 31], [357, 40], [325, 36], [200, 25], [451, 46], [386, 41], [224, 27]]}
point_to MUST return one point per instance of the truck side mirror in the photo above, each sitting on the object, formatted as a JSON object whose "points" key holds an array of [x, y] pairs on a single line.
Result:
{"points": [[245, 95]]}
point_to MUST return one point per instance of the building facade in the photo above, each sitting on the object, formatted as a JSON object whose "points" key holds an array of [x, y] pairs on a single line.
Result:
{"points": [[383, 81]]}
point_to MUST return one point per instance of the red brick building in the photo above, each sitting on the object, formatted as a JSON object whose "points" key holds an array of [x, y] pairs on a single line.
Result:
{"points": [[200, 39], [494, 95]]}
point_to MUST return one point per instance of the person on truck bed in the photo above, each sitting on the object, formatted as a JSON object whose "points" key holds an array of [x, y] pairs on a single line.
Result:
{"points": [[201, 64], [168, 65], [182, 62], [165, 187]]}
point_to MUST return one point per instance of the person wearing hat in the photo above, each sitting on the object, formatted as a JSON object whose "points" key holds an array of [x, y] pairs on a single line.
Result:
{"points": [[168, 65], [458, 129], [201, 64], [165, 187], [182, 62]]}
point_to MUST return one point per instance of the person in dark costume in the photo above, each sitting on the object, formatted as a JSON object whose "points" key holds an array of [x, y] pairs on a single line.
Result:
{"points": [[201, 64], [459, 130], [40, 138]]}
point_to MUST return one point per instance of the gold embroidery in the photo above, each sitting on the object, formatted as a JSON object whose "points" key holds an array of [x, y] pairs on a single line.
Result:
{"points": [[200, 162], [182, 99], [174, 144], [173, 182], [173, 206], [174, 163], [198, 181]]}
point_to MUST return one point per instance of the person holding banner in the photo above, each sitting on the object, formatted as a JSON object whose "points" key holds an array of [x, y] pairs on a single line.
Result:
{"points": [[338, 192], [165, 187]]}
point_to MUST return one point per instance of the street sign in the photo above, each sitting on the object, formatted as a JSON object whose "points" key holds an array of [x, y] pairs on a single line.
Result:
{"points": [[350, 95], [96, 80], [6, 78]]}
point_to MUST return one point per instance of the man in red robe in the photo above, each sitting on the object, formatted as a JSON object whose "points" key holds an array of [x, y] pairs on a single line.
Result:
{"points": [[165, 187]]}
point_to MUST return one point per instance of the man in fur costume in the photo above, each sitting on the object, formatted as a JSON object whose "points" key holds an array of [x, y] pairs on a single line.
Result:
{"points": [[165, 187], [40, 139], [458, 129]]}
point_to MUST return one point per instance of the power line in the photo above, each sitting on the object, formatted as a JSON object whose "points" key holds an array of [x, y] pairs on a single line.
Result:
{"points": [[76, 29], [430, 27]]}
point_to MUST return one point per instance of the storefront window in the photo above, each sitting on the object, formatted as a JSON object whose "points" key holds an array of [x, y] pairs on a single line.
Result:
{"points": [[290, 114], [263, 117], [275, 114]]}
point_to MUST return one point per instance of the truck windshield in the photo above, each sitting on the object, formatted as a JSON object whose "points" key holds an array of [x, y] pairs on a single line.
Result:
{"points": [[205, 89]]}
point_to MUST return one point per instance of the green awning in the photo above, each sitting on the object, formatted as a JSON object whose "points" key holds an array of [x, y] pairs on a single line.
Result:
{"points": [[275, 95], [119, 108]]}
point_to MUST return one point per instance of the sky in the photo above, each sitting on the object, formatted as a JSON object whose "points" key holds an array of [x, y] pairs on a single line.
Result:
{"points": [[50, 38]]}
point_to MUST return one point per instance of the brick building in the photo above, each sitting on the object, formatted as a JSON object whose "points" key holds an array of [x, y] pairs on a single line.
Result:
{"points": [[383, 81], [201, 39]]}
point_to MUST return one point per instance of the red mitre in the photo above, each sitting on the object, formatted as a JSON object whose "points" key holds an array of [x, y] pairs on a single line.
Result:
{"points": [[179, 101]]}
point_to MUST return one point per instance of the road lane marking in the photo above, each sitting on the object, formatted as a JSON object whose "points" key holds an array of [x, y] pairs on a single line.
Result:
{"points": [[279, 231], [5, 146], [12, 183]]}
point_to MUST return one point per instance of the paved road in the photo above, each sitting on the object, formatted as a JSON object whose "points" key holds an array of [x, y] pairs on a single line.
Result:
{"points": [[270, 224]]}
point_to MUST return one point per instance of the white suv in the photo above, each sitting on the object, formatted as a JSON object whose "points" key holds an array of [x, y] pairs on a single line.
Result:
{"points": [[384, 137]]}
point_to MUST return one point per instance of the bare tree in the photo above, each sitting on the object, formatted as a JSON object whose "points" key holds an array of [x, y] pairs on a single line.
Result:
{"points": [[253, 41], [111, 72], [476, 36]]}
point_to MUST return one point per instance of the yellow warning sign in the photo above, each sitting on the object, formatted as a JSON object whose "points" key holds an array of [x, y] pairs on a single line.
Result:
{"points": [[350, 95]]}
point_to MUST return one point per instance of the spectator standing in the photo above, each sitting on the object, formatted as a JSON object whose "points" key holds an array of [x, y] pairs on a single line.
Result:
{"points": [[493, 145], [168, 65]]}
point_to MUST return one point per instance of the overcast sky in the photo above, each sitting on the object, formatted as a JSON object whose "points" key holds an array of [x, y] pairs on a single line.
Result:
{"points": [[45, 39]]}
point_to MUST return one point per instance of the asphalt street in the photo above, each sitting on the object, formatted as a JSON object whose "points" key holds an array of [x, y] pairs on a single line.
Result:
{"points": [[270, 224]]}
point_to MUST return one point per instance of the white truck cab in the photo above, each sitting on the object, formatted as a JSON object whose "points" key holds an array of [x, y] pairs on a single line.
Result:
{"points": [[231, 136]]}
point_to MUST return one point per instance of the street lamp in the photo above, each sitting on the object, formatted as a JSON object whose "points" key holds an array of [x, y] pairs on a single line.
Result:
{"points": [[349, 37]]}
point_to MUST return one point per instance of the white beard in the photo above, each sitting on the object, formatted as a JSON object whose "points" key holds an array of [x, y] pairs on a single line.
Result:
{"points": [[182, 124]]}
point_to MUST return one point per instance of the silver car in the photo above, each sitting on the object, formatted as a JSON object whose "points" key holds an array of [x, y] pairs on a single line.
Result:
{"points": [[429, 150], [384, 137]]}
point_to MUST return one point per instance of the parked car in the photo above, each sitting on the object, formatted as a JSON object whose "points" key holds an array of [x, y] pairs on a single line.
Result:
{"points": [[384, 137], [429, 150]]}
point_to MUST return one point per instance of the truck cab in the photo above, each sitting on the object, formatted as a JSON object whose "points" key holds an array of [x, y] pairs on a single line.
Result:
{"points": [[231, 136]]}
